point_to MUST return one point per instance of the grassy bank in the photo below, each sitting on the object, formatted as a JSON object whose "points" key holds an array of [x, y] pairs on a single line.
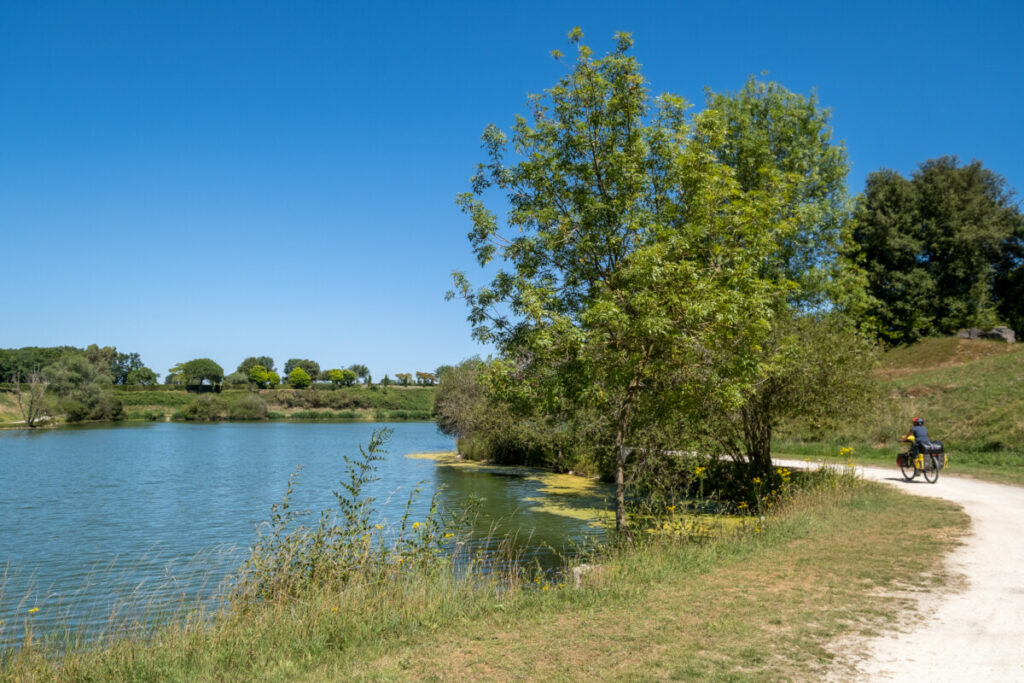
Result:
{"points": [[765, 600], [968, 391]]}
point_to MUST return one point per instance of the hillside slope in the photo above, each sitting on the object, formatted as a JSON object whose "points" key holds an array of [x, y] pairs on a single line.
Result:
{"points": [[970, 393]]}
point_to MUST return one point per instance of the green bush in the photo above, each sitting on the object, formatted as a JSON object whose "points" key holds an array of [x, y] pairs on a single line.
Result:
{"points": [[91, 403], [250, 407], [204, 408]]}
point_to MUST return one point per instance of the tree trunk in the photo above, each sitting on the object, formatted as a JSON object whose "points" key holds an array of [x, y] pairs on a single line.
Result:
{"points": [[757, 433], [621, 524]]}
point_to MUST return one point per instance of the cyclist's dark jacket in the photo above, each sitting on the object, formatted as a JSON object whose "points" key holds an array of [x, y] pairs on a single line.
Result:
{"points": [[920, 434]]}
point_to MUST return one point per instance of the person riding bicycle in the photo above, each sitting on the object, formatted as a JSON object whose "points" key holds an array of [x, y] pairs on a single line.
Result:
{"points": [[917, 435], [925, 455]]}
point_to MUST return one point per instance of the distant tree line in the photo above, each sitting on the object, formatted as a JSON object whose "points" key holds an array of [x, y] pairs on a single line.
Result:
{"points": [[74, 382], [260, 372]]}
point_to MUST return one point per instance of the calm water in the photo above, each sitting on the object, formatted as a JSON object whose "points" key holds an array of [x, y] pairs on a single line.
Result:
{"points": [[95, 519]]}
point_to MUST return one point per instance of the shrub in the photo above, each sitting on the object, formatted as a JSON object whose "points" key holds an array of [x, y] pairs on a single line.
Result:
{"points": [[203, 408], [299, 378], [249, 407]]}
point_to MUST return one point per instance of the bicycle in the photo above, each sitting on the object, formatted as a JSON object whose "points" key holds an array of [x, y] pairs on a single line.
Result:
{"points": [[926, 462]]}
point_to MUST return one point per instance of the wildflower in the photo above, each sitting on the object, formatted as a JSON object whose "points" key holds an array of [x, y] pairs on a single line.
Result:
{"points": [[701, 470], [378, 526], [742, 505], [670, 508], [416, 525], [33, 610], [757, 480], [544, 587], [334, 609], [448, 535]]}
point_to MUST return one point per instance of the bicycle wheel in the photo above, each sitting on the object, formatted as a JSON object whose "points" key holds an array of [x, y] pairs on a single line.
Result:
{"points": [[931, 470], [907, 466]]}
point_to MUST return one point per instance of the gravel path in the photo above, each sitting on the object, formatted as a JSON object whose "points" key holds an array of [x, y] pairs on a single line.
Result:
{"points": [[976, 633]]}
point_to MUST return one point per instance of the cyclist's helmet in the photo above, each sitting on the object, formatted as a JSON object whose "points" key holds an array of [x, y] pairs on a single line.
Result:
{"points": [[918, 420]]}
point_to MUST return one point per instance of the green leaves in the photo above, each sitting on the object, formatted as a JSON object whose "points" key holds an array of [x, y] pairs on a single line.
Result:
{"points": [[299, 378], [199, 370], [939, 249], [646, 252]]}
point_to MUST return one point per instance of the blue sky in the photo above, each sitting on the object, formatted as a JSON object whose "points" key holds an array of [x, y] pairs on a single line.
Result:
{"points": [[190, 179]]}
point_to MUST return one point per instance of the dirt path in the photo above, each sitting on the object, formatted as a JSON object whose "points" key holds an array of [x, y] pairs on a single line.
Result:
{"points": [[978, 632]]}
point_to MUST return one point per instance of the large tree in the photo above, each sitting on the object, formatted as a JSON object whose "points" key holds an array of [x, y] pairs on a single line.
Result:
{"points": [[777, 141], [252, 361], [633, 253], [299, 378], [943, 250], [310, 367], [362, 372], [197, 371]]}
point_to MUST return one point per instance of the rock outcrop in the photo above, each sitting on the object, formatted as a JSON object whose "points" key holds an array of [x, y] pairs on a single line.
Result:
{"points": [[1003, 333]]}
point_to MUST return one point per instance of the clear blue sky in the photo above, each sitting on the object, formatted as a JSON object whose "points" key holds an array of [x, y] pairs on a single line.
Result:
{"points": [[186, 179]]}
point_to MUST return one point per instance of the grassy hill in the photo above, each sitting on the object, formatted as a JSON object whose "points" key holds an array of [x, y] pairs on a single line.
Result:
{"points": [[970, 393]]}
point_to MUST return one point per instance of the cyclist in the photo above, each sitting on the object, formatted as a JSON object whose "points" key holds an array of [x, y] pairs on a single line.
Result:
{"points": [[917, 435]]}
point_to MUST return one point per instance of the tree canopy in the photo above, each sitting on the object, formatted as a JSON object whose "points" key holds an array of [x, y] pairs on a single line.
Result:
{"points": [[198, 371], [311, 367], [299, 378], [265, 361], [943, 250], [635, 251], [362, 372]]}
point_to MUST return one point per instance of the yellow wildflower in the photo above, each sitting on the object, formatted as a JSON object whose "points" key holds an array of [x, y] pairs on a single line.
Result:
{"points": [[757, 480], [334, 609], [701, 470], [670, 508], [33, 610], [742, 505], [449, 535], [416, 525]]}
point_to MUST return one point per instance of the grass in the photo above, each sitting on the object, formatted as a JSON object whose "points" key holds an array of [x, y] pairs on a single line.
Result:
{"points": [[1002, 467], [767, 605], [9, 411], [765, 601]]}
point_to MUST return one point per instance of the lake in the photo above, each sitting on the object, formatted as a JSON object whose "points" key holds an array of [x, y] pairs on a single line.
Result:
{"points": [[93, 519]]}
